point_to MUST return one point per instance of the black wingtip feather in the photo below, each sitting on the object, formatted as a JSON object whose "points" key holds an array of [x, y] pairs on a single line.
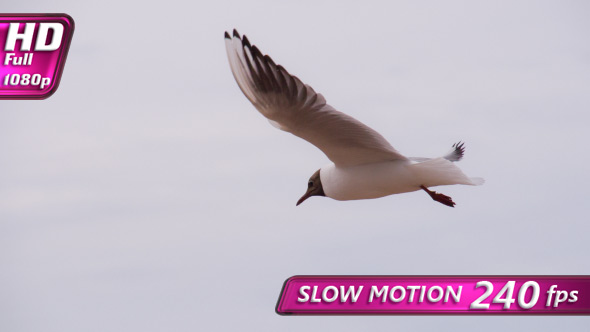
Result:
{"points": [[269, 60], [236, 34], [256, 52], [245, 42], [459, 149], [460, 146], [227, 35]]}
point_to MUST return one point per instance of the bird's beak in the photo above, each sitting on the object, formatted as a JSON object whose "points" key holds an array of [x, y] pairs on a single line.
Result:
{"points": [[304, 197]]}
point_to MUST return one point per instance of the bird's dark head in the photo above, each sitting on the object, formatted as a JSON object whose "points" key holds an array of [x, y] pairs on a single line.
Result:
{"points": [[314, 187]]}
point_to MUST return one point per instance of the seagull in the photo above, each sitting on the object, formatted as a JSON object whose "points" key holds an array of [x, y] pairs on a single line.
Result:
{"points": [[364, 165]]}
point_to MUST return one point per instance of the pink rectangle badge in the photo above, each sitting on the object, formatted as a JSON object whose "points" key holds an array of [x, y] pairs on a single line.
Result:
{"points": [[33, 53], [435, 295]]}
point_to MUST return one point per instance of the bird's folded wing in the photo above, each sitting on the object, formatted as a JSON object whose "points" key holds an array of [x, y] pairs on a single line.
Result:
{"points": [[295, 107]]}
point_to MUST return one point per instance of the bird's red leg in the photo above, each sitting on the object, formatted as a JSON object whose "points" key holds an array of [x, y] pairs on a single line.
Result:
{"points": [[444, 199]]}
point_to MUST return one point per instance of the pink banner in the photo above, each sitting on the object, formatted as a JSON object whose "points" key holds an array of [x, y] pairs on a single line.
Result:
{"points": [[33, 53], [445, 295]]}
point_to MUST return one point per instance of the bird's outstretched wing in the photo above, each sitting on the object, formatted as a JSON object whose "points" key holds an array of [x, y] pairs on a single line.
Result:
{"points": [[295, 107], [456, 154]]}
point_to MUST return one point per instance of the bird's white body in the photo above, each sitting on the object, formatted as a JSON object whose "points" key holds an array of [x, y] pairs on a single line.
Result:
{"points": [[376, 180]]}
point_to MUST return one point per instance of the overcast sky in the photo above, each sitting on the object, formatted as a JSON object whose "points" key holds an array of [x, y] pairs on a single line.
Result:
{"points": [[147, 194]]}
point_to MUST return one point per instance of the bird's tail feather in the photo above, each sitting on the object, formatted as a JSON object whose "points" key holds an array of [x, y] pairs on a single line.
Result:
{"points": [[440, 172]]}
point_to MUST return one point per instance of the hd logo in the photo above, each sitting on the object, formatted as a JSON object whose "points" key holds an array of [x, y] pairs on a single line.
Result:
{"points": [[33, 53]]}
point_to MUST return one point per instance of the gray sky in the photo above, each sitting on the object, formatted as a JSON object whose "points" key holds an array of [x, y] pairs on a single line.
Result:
{"points": [[147, 194]]}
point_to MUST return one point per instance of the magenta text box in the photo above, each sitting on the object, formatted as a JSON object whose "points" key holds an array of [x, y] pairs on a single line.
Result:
{"points": [[480, 295]]}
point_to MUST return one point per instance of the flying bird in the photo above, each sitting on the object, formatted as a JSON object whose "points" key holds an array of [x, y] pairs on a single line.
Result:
{"points": [[364, 165]]}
